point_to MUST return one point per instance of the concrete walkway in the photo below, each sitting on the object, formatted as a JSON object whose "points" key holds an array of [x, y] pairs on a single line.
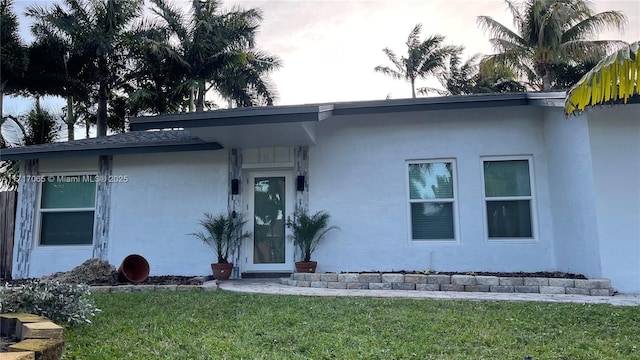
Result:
{"points": [[273, 286]]}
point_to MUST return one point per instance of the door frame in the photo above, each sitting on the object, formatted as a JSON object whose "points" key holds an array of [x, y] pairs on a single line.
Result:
{"points": [[247, 257]]}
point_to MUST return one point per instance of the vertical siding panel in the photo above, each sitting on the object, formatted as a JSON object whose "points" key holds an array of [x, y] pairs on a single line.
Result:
{"points": [[234, 202], [7, 227], [103, 208], [26, 212], [301, 167]]}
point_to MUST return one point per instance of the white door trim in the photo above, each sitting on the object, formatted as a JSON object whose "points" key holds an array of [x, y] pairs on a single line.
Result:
{"points": [[247, 256]]}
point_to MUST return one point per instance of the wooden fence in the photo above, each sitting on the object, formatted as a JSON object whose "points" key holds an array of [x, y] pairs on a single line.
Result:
{"points": [[8, 201]]}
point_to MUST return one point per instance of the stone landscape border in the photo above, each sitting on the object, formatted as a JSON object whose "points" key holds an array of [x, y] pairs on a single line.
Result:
{"points": [[439, 282], [38, 337]]}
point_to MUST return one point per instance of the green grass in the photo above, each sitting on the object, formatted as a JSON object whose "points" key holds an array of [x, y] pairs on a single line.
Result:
{"points": [[222, 325]]}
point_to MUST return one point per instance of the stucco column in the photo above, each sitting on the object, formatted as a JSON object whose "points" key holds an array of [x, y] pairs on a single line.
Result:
{"points": [[103, 208], [573, 206], [26, 218]]}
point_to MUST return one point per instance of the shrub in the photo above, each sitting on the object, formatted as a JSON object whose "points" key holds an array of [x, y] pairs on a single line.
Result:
{"points": [[59, 301]]}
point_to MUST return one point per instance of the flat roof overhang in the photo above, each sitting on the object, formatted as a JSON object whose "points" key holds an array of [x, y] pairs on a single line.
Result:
{"points": [[246, 127]]}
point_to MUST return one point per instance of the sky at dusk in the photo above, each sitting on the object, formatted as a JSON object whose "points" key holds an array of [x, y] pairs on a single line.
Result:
{"points": [[329, 48]]}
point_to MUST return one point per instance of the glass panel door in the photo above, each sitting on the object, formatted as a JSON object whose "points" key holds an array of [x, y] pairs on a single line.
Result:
{"points": [[269, 220], [268, 203]]}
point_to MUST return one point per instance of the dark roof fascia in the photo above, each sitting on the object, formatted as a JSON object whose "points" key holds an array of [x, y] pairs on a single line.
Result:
{"points": [[235, 117], [431, 104], [103, 149]]}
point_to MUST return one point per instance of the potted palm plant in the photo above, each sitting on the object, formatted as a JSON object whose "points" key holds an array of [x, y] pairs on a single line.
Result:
{"points": [[307, 231], [223, 233]]}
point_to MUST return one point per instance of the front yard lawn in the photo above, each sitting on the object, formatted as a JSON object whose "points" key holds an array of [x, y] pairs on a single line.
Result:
{"points": [[223, 325]]}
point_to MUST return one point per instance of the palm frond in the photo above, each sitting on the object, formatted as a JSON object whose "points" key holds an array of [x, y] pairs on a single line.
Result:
{"points": [[427, 90], [587, 50], [498, 30], [388, 71], [414, 36], [614, 79], [593, 25]]}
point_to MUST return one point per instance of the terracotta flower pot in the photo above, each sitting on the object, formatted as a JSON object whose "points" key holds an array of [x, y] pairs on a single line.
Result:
{"points": [[306, 266], [222, 271]]}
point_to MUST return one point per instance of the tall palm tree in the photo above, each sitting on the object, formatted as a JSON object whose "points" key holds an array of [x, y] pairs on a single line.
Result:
{"points": [[39, 126], [95, 30], [615, 78], [13, 54], [219, 51], [424, 58], [549, 33], [54, 71]]}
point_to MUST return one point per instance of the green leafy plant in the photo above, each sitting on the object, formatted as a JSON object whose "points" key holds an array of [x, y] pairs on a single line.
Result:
{"points": [[222, 232], [59, 301], [307, 231]]}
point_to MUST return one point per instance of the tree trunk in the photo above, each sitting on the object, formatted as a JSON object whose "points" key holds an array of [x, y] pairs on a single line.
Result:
{"points": [[103, 94], [546, 80], [2, 86], [413, 88], [192, 104], [87, 128], [101, 120], [71, 121], [200, 101]]}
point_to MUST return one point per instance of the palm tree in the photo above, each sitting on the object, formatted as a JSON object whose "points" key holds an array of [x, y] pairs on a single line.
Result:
{"points": [[153, 84], [424, 58], [549, 33], [53, 71], [496, 78], [475, 76], [13, 55], [94, 30], [37, 127], [218, 51], [458, 79], [616, 78]]}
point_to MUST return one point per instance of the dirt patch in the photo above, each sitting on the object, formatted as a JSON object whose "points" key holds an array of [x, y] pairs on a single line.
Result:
{"points": [[90, 271]]}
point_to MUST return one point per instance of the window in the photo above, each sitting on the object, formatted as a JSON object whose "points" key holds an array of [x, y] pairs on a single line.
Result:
{"points": [[67, 206], [431, 200], [507, 190]]}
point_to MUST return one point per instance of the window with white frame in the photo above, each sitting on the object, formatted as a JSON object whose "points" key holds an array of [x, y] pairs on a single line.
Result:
{"points": [[432, 199], [508, 198], [67, 207]]}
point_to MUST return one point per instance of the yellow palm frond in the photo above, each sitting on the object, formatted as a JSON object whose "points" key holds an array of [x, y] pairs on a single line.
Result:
{"points": [[613, 79]]}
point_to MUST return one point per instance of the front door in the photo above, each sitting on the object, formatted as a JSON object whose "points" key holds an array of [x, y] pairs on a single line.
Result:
{"points": [[269, 204]]}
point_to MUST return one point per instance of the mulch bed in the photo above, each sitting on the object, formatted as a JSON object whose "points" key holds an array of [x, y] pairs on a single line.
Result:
{"points": [[152, 280]]}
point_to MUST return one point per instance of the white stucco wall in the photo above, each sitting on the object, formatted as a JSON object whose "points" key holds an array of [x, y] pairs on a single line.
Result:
{"points": [[165, 197], [615, 147], [572, 190], [358, 173]]}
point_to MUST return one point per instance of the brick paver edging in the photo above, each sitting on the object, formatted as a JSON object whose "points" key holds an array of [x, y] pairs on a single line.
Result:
{"points": [[38, 337], [437, 282], [141, 288]]}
